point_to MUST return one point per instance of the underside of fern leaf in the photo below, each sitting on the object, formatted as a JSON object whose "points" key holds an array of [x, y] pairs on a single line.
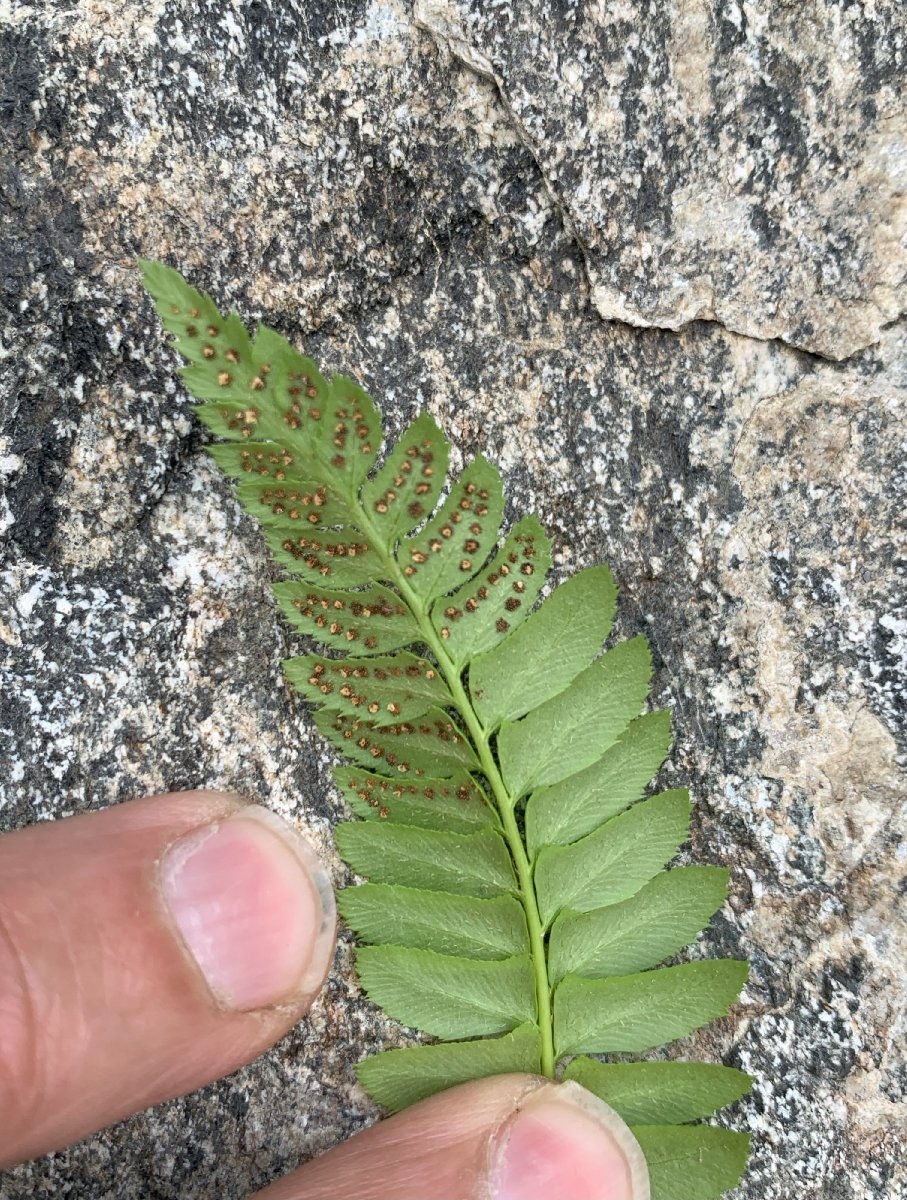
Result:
{"points": [[518, 905]]}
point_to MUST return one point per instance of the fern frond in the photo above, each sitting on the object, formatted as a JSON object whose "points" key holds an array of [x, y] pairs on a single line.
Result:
{"points": [[518, 904]]}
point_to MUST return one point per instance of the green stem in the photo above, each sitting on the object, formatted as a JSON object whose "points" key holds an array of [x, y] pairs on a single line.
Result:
{"points": [[504, 802]]}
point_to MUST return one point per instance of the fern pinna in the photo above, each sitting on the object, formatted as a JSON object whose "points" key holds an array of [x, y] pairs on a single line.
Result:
{"points": [[517, 908]]}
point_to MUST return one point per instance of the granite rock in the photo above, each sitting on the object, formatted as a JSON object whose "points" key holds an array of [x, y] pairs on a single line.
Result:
{"points": [[404, 190], [732, 162]]}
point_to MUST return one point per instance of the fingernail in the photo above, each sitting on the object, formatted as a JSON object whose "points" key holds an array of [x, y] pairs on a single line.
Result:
{"points": [[566, 1144], [254, 908]]}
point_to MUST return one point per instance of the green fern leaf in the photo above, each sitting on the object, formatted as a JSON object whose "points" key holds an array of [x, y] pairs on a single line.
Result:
{"points": [[398, 1078], [614, 862], [386, 690], [372, 621], [407, 486], [455, 804], [481, 612], [472, 864], [291, 506], [541, 658], [448, 996], [407, 749], [697, 1163], [442, 921], [635, 934], [632, 1013], [569, 732], [497, 758], [558, 815], [263, 462], [660, 1093], [455, 543]]}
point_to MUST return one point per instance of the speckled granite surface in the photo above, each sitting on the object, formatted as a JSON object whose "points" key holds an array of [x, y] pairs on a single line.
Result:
{"points": [[696, 144], [492, 210]]}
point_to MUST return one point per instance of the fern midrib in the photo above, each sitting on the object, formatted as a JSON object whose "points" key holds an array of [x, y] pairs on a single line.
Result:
{"points": [[503, 800]]}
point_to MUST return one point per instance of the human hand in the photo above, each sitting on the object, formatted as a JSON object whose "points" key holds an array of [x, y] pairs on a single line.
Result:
{"points": [[199, 930]]}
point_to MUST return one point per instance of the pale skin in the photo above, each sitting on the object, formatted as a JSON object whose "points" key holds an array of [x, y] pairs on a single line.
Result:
{"points": [[202, 929]]}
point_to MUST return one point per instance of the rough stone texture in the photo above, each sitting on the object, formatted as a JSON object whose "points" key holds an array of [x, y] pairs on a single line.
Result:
{"points": [[339, 173], [695, 145]]}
